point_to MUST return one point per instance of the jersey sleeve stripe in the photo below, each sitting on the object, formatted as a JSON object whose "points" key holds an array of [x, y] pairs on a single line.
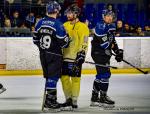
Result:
{"points": [[105, 45], [112, 29], [61, 37], [47, 27], [99, 34]]}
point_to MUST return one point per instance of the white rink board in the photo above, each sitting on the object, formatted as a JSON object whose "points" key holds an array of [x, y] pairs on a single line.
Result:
{"points": [[22, 54], [2, 51]]}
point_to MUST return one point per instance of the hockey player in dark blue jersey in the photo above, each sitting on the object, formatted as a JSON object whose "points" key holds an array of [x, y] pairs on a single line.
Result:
{"points": [[102, 45], [50, 37]]}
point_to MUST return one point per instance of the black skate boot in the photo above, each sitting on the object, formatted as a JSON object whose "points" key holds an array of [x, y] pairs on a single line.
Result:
{"points": [[94, 99], [51, 104], [67, 106], [2, 89], [105, 101]]}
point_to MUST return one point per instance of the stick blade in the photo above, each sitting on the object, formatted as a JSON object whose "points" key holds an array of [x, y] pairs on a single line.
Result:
{"points": [[146, 72]]}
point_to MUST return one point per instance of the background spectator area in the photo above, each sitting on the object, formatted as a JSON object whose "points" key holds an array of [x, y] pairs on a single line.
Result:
{"points": [[132, 17]]}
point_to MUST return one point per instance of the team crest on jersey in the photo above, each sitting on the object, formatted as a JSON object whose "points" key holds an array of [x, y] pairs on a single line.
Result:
{"points": [[101, 26]]}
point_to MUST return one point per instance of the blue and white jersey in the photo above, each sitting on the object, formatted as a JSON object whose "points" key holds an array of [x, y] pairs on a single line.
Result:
{"points": [[104, 34], [50, 35]]}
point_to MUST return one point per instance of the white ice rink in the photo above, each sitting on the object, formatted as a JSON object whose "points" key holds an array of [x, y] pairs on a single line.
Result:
{"points": [[24, 95]]}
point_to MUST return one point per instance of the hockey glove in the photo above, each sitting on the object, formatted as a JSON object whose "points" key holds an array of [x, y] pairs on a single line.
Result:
{"points": [[80, 58], [75, 70], [119, 55], [36, 39]]}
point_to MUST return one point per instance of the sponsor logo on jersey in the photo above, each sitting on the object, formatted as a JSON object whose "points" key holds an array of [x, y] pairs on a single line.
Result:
{"points": [[48, 22]]}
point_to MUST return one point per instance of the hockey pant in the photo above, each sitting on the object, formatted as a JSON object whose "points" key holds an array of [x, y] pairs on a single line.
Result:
{"points": [[70, 81]]}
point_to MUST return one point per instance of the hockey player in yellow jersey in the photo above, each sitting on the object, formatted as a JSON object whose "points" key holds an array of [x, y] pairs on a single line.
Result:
{"points": [[74, 56]]}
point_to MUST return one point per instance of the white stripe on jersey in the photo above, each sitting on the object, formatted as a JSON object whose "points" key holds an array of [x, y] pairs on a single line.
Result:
{"points": [[99, 34], [61, 37], [46, 26]]}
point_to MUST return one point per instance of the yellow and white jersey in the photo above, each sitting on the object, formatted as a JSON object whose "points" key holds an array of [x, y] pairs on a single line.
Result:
{"points": [[78, 34]]}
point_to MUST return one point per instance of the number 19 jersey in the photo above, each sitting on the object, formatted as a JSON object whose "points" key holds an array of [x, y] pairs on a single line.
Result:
{"points": [[50, 35]]}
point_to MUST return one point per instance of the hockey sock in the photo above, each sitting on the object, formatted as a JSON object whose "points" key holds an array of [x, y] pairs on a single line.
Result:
{"points": [[51, 82], [66, 85], [96, 85], [104, 80], [51, 94], [104, 83], [75, 87]]}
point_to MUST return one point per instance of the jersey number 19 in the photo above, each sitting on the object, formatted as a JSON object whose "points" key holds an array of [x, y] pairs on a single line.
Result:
{"points": [[45, 42]]}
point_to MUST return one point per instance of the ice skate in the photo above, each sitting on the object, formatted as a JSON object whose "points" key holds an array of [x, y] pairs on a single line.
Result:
{"points": [[105, 101], [2, 90], [67, 106], [51, 105], [94, 99]]}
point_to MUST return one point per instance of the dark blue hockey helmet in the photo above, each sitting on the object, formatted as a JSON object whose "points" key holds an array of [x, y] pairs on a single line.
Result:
{"points": [[52, 7], [109, 12]]}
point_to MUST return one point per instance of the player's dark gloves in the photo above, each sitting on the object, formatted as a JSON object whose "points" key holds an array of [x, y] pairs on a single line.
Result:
{"points": [[75, 70], [36, 38], [119, 55], [80, 58]]}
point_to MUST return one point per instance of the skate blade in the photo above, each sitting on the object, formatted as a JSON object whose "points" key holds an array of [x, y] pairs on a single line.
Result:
{"points": [[104, 105], [50, 110], [68, 108], [94, 104], [2, 90], [74, 109]]}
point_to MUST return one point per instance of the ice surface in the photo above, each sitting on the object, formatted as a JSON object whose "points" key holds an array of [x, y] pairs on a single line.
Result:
{"points": [[24, 95]]}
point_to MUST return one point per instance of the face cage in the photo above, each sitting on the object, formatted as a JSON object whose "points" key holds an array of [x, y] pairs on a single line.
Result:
{"points": [[113, 16]]}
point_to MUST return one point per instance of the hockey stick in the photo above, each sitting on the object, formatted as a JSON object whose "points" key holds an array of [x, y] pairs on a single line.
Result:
{"points": [[44, 97], [100, 65], [144, 72]]}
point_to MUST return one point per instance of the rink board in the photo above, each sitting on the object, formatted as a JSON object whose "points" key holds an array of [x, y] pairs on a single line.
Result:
{"points": [[22, 54]]}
